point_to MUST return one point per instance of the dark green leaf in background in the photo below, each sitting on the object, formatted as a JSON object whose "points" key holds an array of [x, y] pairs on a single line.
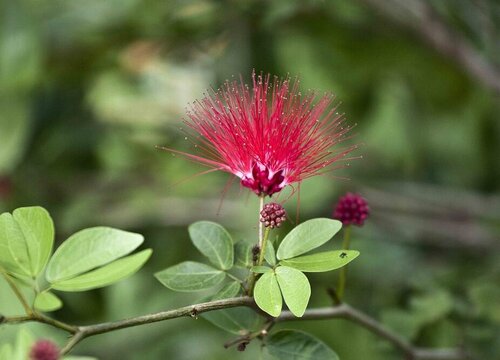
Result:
{"points": [[243, 254], [235, 320], [298, 345]]}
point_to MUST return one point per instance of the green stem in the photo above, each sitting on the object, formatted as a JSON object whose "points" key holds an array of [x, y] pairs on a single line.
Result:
{"points": [[262, 253], [18, 293], [343, 271], [261, 225], [253, 276]]}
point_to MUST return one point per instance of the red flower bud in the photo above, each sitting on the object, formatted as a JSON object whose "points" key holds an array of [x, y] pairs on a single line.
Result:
{"points": [[351, 209]]}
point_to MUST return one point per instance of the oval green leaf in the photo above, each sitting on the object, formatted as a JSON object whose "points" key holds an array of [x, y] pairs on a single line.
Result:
{"points": [[295, 288], [6, 351], [227, 291], [267, 294], [243, 254], [47, 301], [323, 261], [26, 240], [234, 320], [307, 236], [214, 242], [15, 259], [106, 275], [298, 345], [270, 254], [190, 276], [38, 231], [89, 249]]}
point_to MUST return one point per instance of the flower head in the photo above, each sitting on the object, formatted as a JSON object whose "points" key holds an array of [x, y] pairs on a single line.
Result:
{"points": [[272, 215], [269, 136], [351, 209], [44, 350]]}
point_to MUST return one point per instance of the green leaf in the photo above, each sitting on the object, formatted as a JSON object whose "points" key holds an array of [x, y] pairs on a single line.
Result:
{"points": [[228, 291], [484, 297], [6, 351], [190, 276], [10, 232], [295, 288], [323, 261], [298, 345], [307, 236], [243, 254], [234, 320], [38, 231], [47, 301], [260, 269], [402, 322], [267, 294], [431, 306], [24, 341], [89, 249], [106, 275], [26, 240], [270, 255], [214, 242]]}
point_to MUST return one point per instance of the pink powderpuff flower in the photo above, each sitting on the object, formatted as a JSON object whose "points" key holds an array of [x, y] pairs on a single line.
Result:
{"points": [[269, 136]]}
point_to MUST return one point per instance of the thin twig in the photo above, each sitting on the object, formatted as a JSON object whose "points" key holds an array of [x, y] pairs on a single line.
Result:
{"points": [[75, 339], [53, 322], [349, 313], [17, 292]]}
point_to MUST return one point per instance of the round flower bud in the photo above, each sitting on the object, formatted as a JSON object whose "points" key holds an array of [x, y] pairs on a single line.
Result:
{"points": [[44, 350], [272, 215], [351, 209]]}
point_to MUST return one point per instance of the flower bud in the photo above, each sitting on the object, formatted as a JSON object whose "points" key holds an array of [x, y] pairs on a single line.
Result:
{"points": [[272, 215], [44, 350], [351, 209]]}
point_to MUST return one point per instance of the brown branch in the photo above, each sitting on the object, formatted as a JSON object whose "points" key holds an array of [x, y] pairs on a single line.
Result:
{"points": [[343, 311]]}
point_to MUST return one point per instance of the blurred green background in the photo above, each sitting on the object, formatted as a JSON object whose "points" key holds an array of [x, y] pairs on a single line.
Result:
{"points": [[88, 88]]}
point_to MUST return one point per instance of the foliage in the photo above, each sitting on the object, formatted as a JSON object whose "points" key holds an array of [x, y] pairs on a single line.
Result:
{"points": [[87, 88], [90, 259]]}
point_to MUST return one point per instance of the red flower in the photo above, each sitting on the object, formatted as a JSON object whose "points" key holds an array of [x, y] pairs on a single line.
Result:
{"points": [[269, 136]]}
